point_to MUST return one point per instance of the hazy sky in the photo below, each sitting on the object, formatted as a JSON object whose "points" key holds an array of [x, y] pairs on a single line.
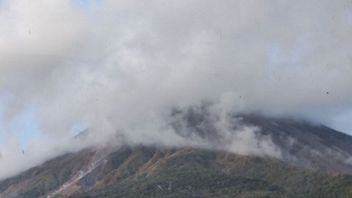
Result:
{"points": [[123, 65]]}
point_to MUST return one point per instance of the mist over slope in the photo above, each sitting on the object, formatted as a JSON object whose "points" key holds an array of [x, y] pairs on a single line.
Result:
{"points": [[276, 158], [122, 67]]}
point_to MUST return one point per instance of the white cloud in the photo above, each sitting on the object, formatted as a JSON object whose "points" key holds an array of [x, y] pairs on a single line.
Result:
{"points": [[125, 64]]}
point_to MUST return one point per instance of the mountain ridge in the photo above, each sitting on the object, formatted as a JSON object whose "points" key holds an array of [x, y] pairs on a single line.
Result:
{"points": [[314, 163]]}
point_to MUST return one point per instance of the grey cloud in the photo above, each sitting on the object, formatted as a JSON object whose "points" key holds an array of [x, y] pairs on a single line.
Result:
{"points": [[122, 66]]}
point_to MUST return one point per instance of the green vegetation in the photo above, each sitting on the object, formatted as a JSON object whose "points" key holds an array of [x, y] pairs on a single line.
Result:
{"points": [[201, 173], [184, 172]]}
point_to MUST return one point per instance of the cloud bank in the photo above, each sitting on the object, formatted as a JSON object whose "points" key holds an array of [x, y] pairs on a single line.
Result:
{"points": [[122, 66]]}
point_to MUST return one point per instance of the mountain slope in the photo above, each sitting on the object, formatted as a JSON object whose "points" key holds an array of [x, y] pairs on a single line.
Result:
{"points": [[300, 143], [184, 172], [201, 173], [305, 144], [315, 162]]}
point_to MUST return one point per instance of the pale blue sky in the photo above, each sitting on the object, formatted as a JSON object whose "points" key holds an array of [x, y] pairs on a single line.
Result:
{"points": [[24, 127], [87, 4]]}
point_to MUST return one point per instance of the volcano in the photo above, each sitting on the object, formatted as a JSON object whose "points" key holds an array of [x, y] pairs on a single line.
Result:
{"points": [[314, 161]]}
